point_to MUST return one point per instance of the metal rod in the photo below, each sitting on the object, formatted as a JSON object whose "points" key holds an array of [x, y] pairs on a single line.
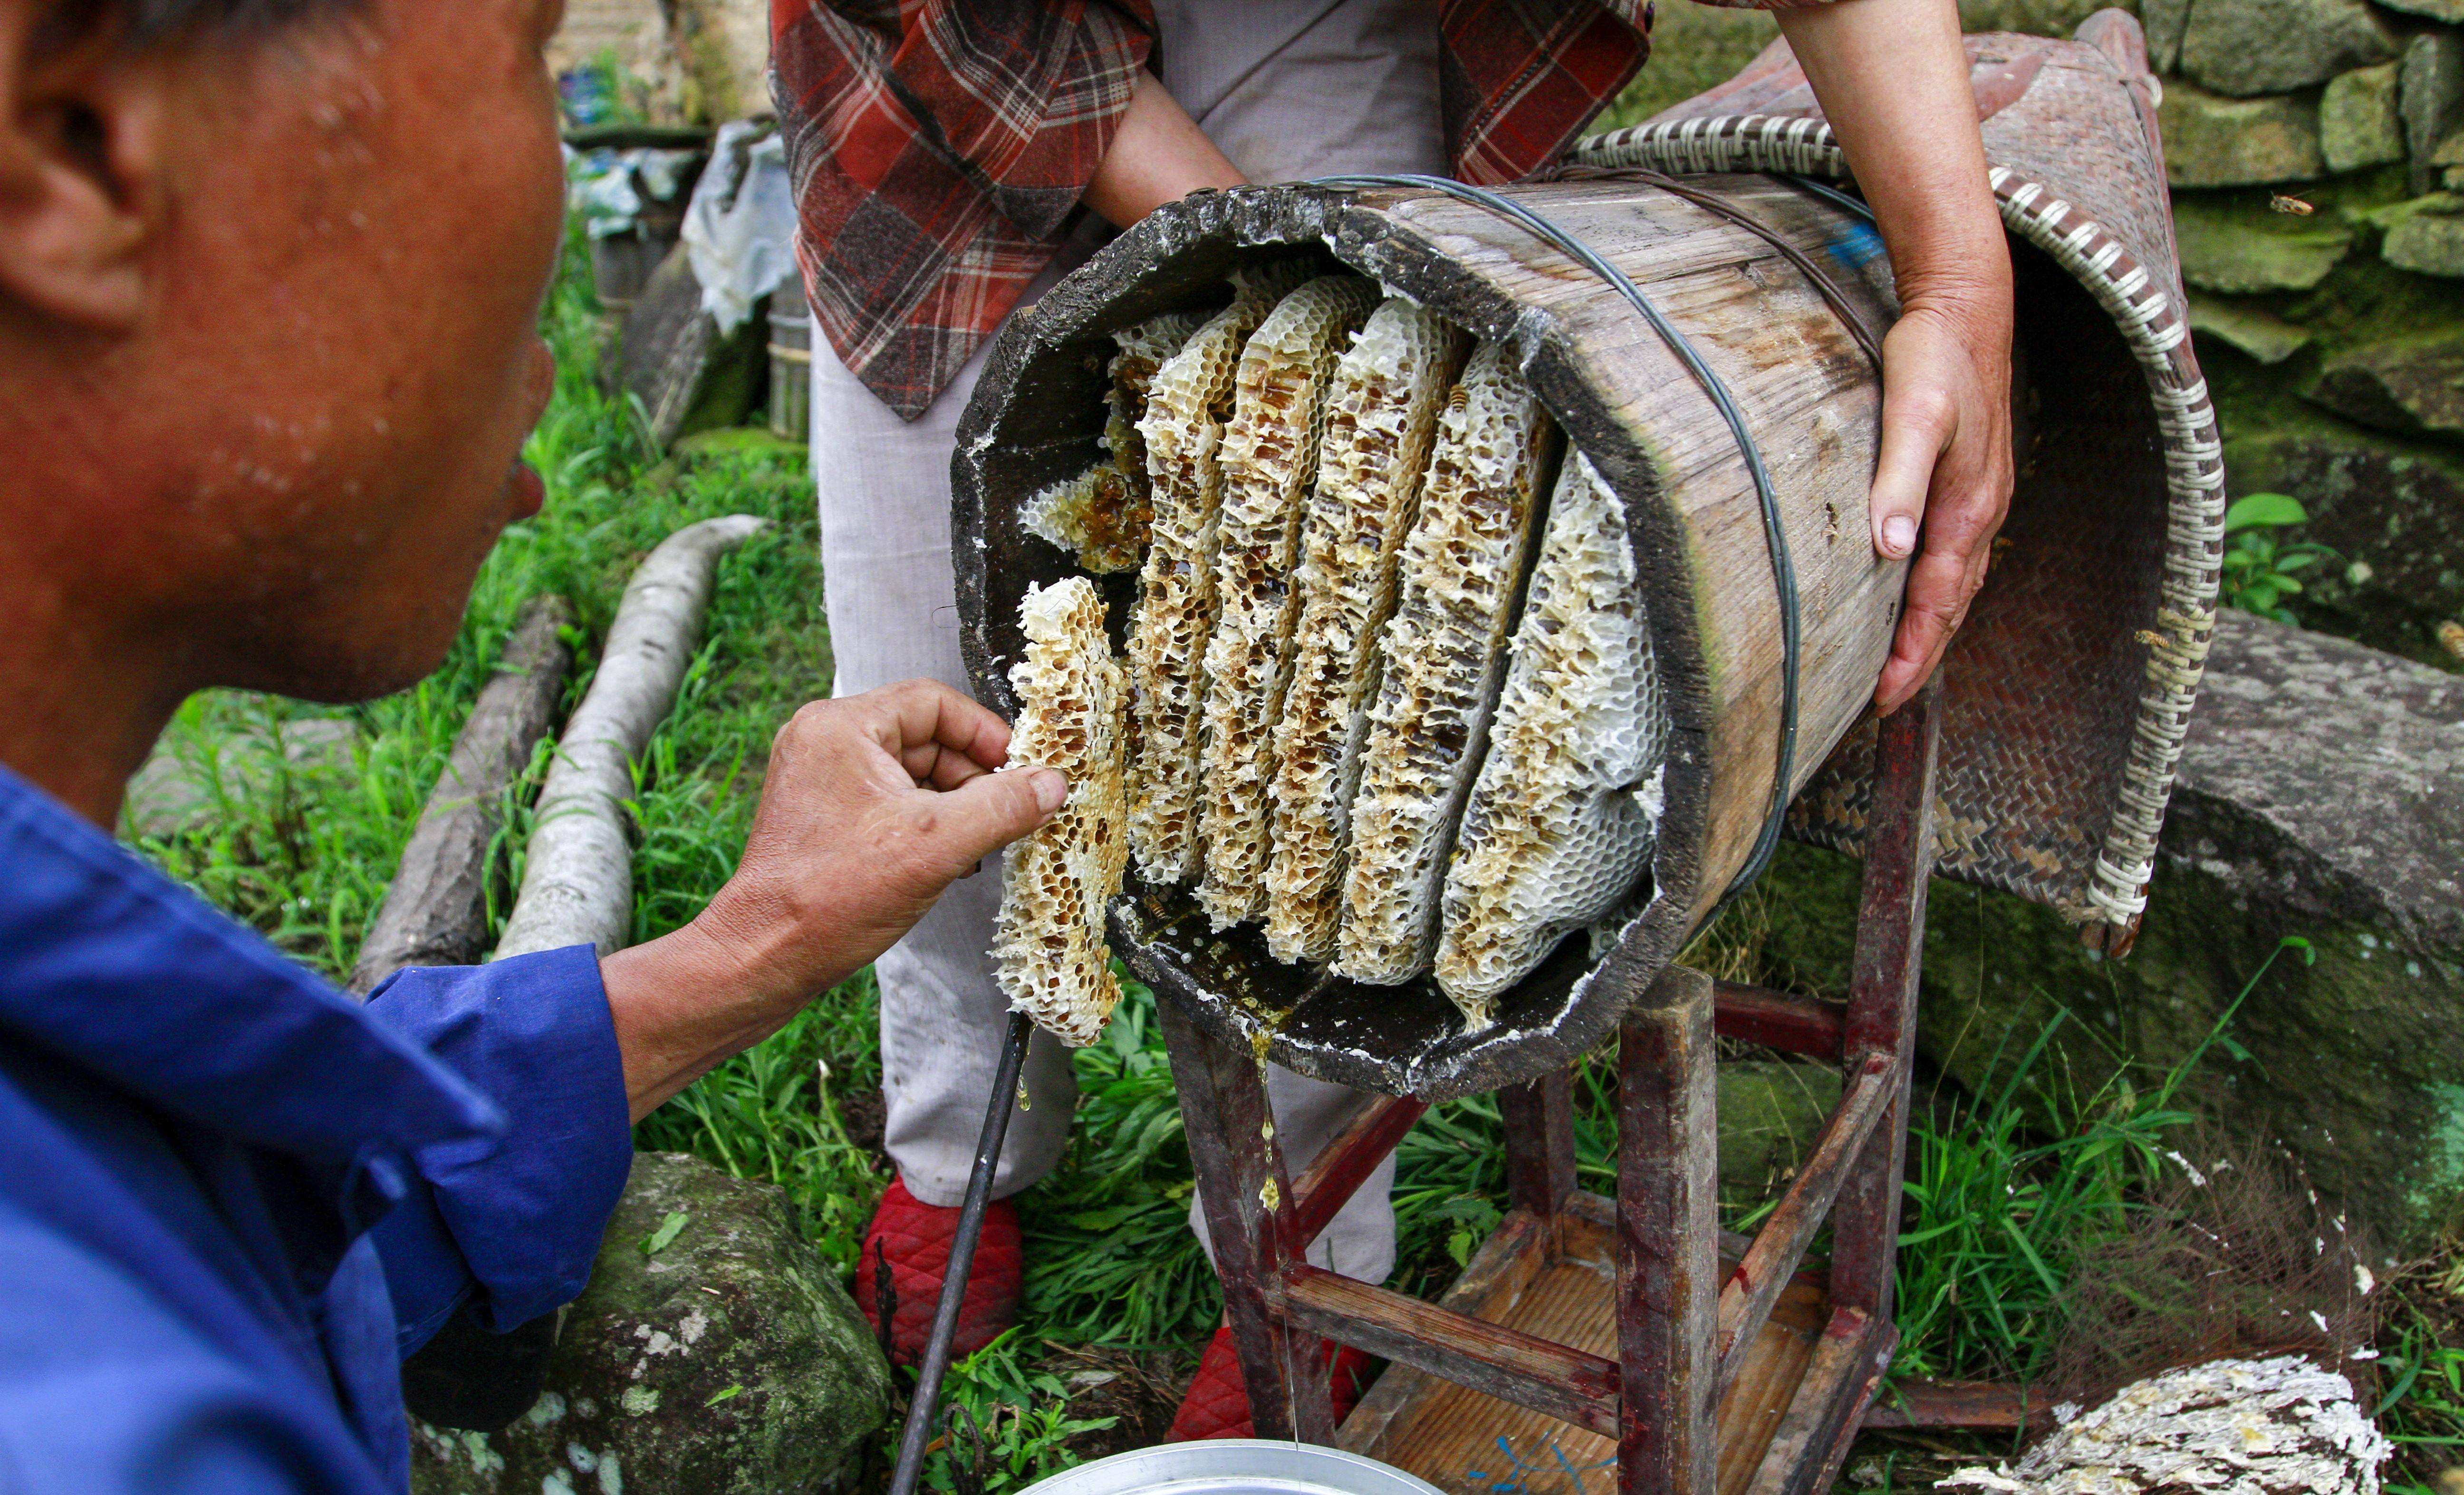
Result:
{"points": [[927, 1397]]}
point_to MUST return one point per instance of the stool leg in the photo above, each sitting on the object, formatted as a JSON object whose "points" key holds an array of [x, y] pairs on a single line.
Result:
{"points": [[1668, 1240], [1539, 1116], [1883, 994], [1247, 1196]]}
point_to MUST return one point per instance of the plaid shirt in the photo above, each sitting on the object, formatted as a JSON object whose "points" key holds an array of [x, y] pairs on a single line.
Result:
{"points": [[939, 146]]}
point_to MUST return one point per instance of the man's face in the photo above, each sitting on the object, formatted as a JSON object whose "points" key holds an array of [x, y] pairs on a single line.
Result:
{"points": [[319, 419]]}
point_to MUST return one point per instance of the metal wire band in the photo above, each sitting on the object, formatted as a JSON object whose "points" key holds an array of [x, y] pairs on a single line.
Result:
{"points": [[1783, 569]]}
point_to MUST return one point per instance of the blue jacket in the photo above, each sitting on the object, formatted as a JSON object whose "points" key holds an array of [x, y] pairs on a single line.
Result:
{"points": [[230, 1198]]}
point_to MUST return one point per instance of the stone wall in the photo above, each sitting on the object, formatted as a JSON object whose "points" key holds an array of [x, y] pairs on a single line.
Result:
{"points": [[2334, 340]]}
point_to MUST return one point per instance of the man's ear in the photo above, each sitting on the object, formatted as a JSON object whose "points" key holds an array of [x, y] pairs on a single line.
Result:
{"points": [[83, 141]]}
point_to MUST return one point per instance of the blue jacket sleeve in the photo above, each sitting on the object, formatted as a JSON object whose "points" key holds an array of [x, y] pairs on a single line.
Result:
{"points": [[109, 1389], [516, 1220]]}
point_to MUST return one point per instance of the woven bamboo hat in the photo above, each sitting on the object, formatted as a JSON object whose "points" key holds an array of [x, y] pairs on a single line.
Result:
{"points": [[2071, 683]]}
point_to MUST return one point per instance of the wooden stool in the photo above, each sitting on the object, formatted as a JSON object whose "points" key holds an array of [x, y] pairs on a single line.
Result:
{"points": [[1695, 1363]]}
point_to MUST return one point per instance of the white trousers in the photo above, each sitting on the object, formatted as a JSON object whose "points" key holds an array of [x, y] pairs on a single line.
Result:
{"points": [[884, 508]]}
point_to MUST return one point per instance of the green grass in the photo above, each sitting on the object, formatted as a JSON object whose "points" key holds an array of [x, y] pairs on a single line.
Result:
{"points": [[2001, 1212]]}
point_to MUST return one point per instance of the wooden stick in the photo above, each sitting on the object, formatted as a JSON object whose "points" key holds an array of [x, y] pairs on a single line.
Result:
{"points": [[1777, 1019], [1539, 1116], [1668, 1239], [1746, 1300], [1823, 1416], [578, 880], [1882, 993], [1339, 1168], [1250, 1221], [1989, 1406], [1507, 1363], [435, 909]]}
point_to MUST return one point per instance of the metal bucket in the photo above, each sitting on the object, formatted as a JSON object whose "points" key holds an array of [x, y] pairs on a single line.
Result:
{"points": [[1234, 1466]]}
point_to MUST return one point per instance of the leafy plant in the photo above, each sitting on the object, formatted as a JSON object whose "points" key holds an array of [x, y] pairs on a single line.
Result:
{"points": [[2002, 1214], [2260, 563], [1008, 1424]]}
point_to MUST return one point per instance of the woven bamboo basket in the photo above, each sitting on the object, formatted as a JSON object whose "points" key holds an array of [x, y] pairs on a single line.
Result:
{"points": [[2053, 696]]}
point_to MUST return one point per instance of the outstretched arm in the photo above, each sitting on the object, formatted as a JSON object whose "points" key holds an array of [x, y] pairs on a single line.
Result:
{"points": [[1893, 80], [871, 806]]}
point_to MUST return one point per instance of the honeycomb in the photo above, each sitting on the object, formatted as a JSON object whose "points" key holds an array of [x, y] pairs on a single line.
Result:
{"points": [[1102, 514], [1187, 403], [1381, 415], [1048, 949], [1268, 458], [1342, 708], [1442, 655], [1566, 809]]}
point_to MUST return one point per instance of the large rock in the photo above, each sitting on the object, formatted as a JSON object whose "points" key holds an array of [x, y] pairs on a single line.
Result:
{"points": [[2429, 93], [2426, 234], [2213, 141], [728, 1362], [2449, 11], [2240, 247], [2248, 47], [2391, 509], [2414, 386], [2322, 794], [2359, 124]]}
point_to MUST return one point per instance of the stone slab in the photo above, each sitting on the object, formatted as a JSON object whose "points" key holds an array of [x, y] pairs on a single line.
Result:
{"points": [[2253, 331], [2214, 141], [2426, 235], [2358, 122], [2413, 385], [2429, 95], [2240, 247], [2252, 47]]}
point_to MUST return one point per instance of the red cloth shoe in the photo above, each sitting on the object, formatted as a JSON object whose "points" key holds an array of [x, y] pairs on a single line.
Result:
{"points": [[1218, 1403], [912, 1239]]}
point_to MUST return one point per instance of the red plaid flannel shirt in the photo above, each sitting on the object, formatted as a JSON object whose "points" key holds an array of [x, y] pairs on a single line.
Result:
{"points": [[939, 146]]}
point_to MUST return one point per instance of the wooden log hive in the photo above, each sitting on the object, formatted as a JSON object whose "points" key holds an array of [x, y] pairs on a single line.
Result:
{"points": [[1640, 424]]}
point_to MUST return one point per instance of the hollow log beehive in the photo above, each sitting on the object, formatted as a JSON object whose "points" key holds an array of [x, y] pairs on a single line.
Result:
{"points": [[1629, 413], [2058, 712]]}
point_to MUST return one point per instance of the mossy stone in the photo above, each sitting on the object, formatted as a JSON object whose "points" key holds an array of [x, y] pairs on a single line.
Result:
{"points": [[2214, 141], [727, 1362], [1770, 1114], [2253, 331], [2359, 124], [2427, 235], [2413, 385], [2391, 510], [2239, 247], [2251, 47]]}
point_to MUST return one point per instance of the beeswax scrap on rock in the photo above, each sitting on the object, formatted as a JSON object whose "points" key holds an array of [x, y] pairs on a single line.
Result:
{"points": [[1566, 809], [1442, 655], [1188, 400], [1048, 949], [1381, 417], [1269, 458]]}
